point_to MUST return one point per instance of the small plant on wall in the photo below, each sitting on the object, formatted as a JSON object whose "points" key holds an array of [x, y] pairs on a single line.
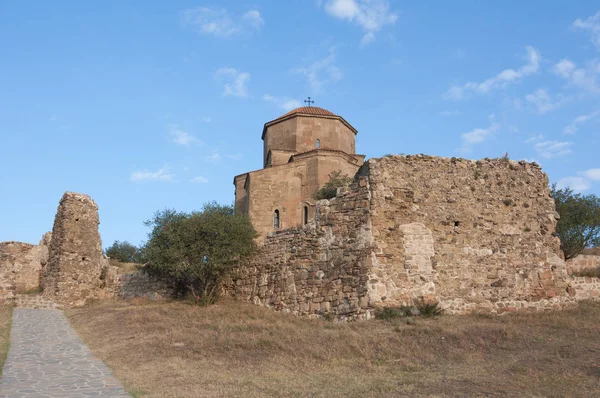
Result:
{"points": [[329, 190]]}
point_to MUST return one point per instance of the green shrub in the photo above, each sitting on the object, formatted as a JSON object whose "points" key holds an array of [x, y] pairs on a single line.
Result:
{"points": [[124, 252], [329, 190], [429, 309], [196, 250], [420, 308]]}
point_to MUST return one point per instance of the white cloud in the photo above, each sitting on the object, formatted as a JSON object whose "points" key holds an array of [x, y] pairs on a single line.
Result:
{"points": [[370, 15], [501, 80], [477, 136], [578, 184], [214, 158], [573, 127], [181, 137], [254, 19], [235, 81], [321, 72], [199, 180], [551, 149], [591, 174], [367, 39], [217, 21], [162, 174], [591, 24], [535, 138], [542, 102], [583, 78], [284, 103]]}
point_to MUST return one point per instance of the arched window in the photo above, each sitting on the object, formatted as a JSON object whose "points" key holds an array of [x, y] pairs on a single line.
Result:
{"points": [[305, 215], [318, 143], [276, 219]]}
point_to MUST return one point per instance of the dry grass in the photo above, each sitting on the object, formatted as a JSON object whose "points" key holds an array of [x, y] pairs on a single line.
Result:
{"points": [[5, 324], [239, 350], [124, 268]]}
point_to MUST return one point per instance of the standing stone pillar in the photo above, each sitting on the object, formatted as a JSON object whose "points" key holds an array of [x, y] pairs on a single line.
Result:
{"points": [[72, 274]]}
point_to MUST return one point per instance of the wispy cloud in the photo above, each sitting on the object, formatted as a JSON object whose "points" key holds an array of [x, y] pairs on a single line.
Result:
{"points": [[321, 72], [214, 158], [163, 174], [181, 137], [585, 79], [284, 103], [477, 136], [370, 15], [199, 180], [592, 25], [591, 174], [543, 103], [574, 126], [582, 182], [218, 22], [501, 80], [578, 184], [552, 149], [205, 119], [254, 19], [236, 82]]}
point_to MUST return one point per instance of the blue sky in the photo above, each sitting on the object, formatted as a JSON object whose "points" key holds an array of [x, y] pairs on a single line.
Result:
{"points": [[154, 104]]}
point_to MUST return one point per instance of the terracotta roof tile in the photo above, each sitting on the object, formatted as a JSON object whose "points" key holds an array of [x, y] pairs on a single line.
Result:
{"points": [[306, 110]]}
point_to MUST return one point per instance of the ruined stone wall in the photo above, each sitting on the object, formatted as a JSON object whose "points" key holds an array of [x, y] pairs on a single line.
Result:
{"points": [[315, 270], [583, 261], [21, 267], [75, 263], [473, 235]]}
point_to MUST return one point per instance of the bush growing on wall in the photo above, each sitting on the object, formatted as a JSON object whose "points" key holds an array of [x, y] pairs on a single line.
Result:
{"points": [[195, 250], [329, 190]]}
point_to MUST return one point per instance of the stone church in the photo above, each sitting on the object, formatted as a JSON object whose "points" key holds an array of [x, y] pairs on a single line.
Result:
{"points": [[301, 149]]}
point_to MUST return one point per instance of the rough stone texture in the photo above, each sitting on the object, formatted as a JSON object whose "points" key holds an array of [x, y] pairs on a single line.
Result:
{"points": [[471, 235], [583, 261], [21, 267], [139, 284], [485, 226], [74, 269], [48, 359], [318, 269]]}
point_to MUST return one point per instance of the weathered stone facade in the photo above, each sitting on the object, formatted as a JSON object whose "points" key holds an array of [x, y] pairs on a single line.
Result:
{"points": [[75, 262], [301, 149], [471, 235], [21, 267], [583, 261]]}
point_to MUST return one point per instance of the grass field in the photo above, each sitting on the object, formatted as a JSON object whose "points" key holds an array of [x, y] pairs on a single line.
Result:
{"points": [[239, 350], [5, 323]]}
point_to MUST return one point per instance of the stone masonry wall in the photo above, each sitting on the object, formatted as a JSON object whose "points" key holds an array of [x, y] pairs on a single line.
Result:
{"points": [[315, 270], [583, 261], [72, 275], [21, 267], [473, 235]]}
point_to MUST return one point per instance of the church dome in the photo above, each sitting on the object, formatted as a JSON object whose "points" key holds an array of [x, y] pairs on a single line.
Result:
{"points": [[305, 110]]}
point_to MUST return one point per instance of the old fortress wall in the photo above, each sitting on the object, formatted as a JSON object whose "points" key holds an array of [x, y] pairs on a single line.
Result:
{"points": [[471, 235]]}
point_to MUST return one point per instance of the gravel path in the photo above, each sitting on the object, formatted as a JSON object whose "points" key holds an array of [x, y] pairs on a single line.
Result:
{"points": [[48, 359]]}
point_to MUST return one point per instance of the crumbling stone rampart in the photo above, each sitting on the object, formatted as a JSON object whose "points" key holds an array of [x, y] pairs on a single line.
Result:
{"points": [[471, 235], [21, 267], [74, 269]]}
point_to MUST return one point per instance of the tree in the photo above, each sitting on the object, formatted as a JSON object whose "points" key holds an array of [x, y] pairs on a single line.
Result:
{"points": [[196, 250], [329, 190], [124, 252], [579, 223]]}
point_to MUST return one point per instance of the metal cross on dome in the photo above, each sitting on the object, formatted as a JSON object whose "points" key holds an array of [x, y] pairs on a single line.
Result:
{"points": [[308, 101]]}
